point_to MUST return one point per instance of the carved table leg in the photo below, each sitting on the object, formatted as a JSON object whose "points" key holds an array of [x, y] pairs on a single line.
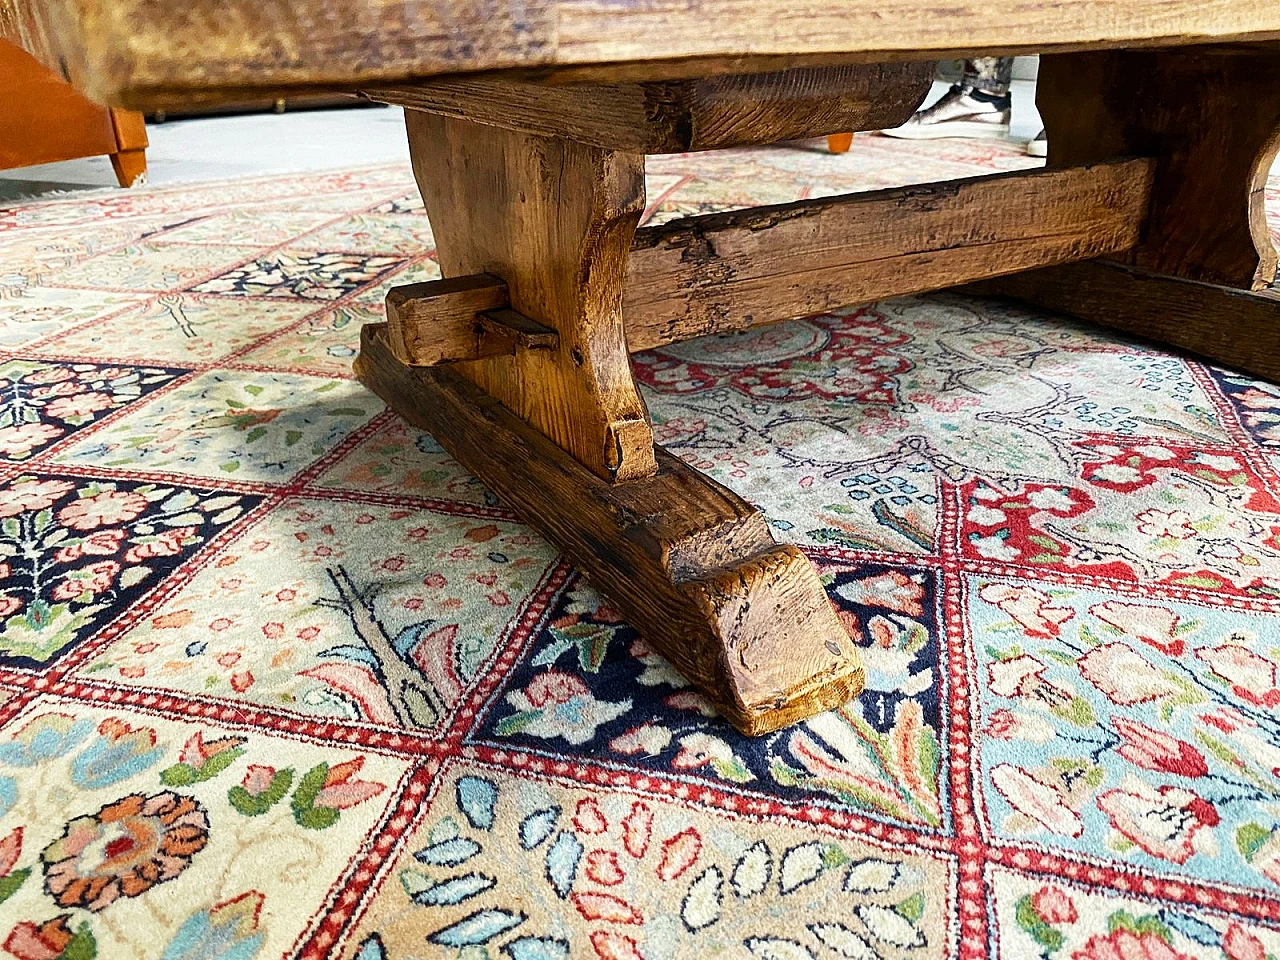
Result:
{"points": [[1210, 118], [551, 420]]}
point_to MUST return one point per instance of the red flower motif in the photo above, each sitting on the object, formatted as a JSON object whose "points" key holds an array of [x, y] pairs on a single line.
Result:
{"points": [[31, 494], [257, 779], [167, 544], [9, 605], [79, 405], [124, 850], [103, 509], [101, 543], [1240, 944], [554, 686], [27, 941], [1155, 750], [1163, 823], [1123, 944], [10, 850], [1054, 906], [340, 790], [196, 753], [94, 579]]}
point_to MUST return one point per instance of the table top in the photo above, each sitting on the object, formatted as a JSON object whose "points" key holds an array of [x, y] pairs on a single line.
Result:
{"points": [[147, 54]]}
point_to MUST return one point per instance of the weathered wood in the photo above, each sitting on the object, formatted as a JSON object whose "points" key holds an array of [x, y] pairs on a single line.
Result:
{"points": [[435, 321], [725, 272], [680, 115], [1236, 328], [555, 220], [1210, 118], [518, 330], [687, 562], [151, 55]]}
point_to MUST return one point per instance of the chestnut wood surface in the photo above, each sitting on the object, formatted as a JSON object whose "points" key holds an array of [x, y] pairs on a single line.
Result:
{"points": [[689, 563], [675, 116], [728, 271], [555, 220], [148, 54]]}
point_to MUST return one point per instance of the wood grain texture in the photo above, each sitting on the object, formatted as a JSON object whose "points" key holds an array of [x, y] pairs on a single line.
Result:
{"points": [[689, 563], [146, 53], [725, 272], [681, 115], [555, 220], [1210, 118], [1237, 328]]}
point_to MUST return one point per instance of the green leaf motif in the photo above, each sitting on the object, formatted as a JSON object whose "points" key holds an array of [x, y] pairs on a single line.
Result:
{"points": [[912, 908], [179, 775], [254, 806], [305, 812], [1039, 931], [10, 883], [83, 946], [516, 722], [1122, 920], [1250, 838]]}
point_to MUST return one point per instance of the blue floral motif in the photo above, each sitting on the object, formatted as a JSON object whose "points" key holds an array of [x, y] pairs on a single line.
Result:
{"points": [[44, 738], [119, 752], [225, 931]]}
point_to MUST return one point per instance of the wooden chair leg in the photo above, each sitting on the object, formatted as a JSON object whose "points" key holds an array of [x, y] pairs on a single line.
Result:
{"points": [[554, 424], [840, 142], [1210, 118], [129, 159], [130, 166]]}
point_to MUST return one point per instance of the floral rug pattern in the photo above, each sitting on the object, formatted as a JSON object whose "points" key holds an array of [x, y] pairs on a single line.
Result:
{"points": [[279, 679]]}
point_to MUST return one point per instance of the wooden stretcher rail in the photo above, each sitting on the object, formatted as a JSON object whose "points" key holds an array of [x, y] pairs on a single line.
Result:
{"points": [[730, 271]]}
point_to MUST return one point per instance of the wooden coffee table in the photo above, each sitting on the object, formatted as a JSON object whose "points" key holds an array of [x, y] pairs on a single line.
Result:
{"points": [[529, 123]]}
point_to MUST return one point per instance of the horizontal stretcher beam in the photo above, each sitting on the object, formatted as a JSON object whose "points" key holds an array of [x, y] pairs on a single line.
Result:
{"points": [[726, 272]]}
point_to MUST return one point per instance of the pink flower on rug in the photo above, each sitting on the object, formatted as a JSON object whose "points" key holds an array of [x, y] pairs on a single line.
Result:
{"points": [[26, 941], [94, 579], [9, 605], [1155, 750], [340, 790], [1252, 677], [1033, 610], [1036, 800], [49, 375], [18, 441], [894, 590], [79, 405], [257, 779], [31, 494], [1153, 625], [1123, 944], [1124, 675], [1164, 823], [196, 753], [103, 509], [101, 543], [167, 544], [1240, 944], [1015, 725], [1054, 905], [1023, 678], [10, 850], [554, 686]]}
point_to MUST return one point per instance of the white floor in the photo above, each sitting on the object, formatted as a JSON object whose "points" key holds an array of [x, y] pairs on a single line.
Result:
{"points": [[221, 148]]}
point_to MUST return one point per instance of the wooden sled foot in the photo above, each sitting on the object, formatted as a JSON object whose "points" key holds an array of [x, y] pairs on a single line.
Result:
{"points": [[690, 564]]}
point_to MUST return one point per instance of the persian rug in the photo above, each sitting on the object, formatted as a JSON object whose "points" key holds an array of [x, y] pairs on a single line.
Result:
{"points": [[278, 679]]}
